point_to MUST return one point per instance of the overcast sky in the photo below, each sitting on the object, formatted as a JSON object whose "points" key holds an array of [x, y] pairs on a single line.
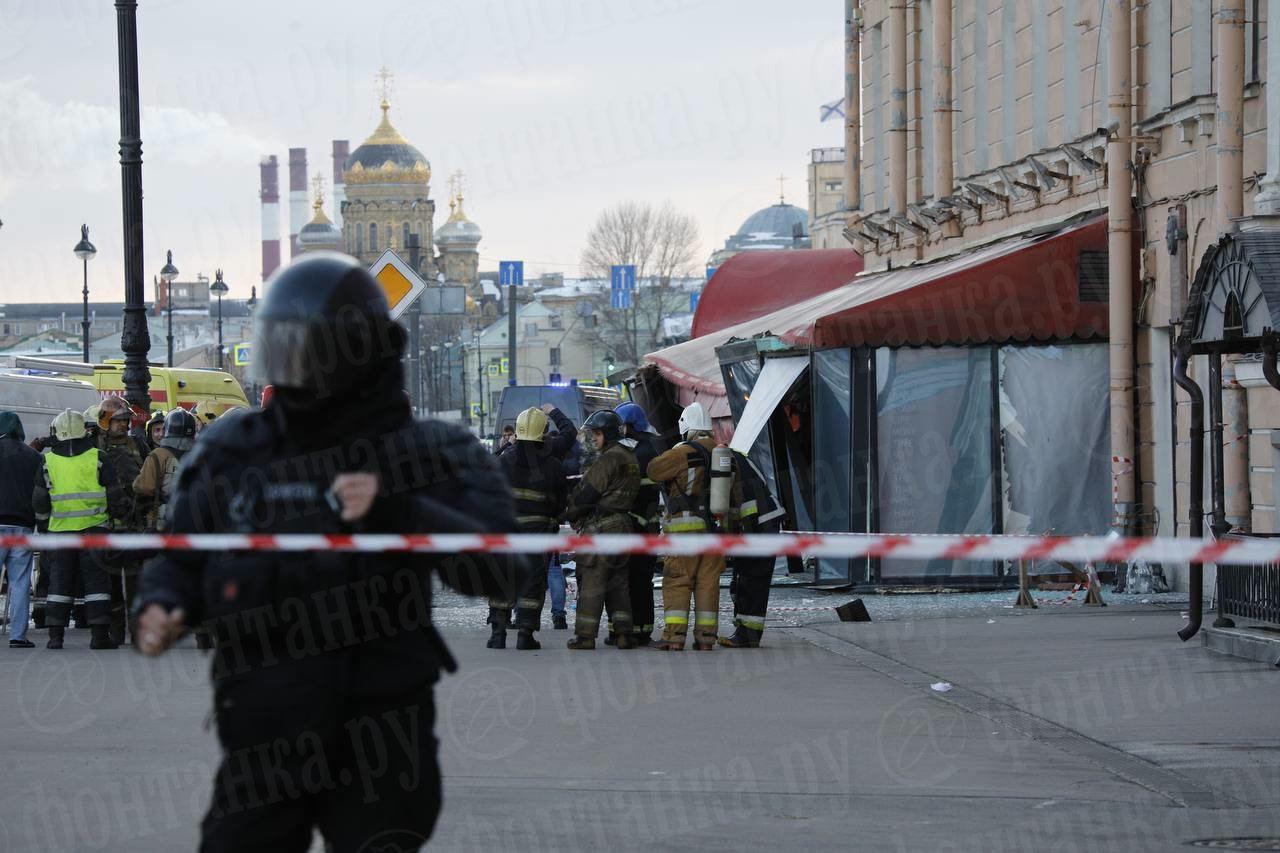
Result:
{"points": [[554, 109]]}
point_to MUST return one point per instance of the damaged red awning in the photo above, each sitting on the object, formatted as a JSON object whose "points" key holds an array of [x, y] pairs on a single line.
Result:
{"points": [[754, 283]]}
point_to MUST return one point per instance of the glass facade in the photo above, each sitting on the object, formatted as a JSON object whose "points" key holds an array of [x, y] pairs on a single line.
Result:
{"points": [[1055, 426], [934, 438], [833, 452]]}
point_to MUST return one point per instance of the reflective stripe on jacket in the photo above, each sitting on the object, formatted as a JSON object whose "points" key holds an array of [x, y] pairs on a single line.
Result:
{"points": [[78, 500]]}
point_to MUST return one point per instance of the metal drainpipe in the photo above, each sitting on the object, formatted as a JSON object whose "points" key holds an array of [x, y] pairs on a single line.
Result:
{"points": [[1229, 23], [1120, 266], [1195, 510], [852, 105], [943, 167], [898, 107]]}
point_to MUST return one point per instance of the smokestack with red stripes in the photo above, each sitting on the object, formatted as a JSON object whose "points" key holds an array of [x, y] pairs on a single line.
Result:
{"points": [[341, 150], [298, 203], [269, 168]]}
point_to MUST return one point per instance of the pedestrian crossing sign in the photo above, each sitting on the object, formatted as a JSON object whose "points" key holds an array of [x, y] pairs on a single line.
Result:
{"points": [[506, 366], [493, 368]]}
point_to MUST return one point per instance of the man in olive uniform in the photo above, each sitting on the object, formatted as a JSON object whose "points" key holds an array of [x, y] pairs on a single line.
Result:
{"points": [[684, 472], [77, 491], [127, 452], [640, 438], [325, 662], [538, 485], [602, 503], [155, 483]]}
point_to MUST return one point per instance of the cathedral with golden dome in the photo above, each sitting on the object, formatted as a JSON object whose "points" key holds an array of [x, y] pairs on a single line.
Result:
{"points": [[381, 196]]}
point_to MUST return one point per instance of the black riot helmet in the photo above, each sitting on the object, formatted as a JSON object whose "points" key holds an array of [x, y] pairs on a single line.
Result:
{"points": [[179, 424], [324, 327], [606, 422]]}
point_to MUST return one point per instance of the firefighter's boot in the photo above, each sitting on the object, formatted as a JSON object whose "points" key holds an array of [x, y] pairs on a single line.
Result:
{"points": [[499, 619], [582, 643], [742, 638], [526, 642], [55, 637], [100, 638]]}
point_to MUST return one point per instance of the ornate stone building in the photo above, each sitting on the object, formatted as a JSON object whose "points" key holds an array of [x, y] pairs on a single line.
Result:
{"points": [[459, 243], [388, 197], [320, 234]]}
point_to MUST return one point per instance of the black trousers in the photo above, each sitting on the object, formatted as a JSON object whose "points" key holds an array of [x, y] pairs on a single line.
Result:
{"points": [[301, 750], [750, 590], [640, 572], [528, 601], [64, 568]]}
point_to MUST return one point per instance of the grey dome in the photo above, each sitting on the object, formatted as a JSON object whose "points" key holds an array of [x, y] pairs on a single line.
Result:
{"points": [[778, 220], [458, 232]]}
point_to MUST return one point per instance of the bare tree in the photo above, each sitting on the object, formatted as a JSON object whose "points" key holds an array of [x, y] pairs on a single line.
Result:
{"points": [[662, 243]]}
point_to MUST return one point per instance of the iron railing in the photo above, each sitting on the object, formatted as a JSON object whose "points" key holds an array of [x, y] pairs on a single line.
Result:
{"points": [[1250, 592]]}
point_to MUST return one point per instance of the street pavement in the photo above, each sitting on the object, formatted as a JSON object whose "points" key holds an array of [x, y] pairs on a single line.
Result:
{"points": [[1059, 729]]}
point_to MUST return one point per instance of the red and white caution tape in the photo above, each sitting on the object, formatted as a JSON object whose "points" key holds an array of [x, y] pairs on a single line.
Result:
{"points": [[1076, 549]]}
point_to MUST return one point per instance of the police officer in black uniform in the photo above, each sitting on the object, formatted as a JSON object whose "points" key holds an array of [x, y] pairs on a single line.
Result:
{"points": [[324, 661]]}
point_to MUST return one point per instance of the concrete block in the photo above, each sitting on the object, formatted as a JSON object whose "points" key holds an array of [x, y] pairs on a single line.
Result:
{"points": [[1242, 643]]}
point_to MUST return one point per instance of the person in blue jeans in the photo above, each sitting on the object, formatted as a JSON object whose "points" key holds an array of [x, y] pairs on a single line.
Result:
{"points": [[19, 467], [558, 589]]}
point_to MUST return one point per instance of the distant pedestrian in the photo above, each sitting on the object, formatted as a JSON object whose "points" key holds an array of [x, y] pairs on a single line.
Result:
{"points": [[19, 466]]}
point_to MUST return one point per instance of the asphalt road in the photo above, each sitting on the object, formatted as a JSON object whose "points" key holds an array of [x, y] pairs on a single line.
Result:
{"points": [[1063, 729]]}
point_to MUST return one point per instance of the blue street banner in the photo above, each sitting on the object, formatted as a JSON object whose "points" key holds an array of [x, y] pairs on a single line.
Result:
{"points": [[693, 302], [711, 271], [511, 272]]}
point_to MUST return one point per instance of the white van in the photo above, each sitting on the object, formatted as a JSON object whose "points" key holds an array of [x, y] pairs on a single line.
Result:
{"points": [[37, 398]]}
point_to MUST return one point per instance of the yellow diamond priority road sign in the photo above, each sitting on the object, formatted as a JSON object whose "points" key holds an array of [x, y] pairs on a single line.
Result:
{"points": [[400, 283]]}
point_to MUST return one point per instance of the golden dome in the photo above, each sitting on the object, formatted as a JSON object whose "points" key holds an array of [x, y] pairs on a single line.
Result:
{"points": [[386, 157]]}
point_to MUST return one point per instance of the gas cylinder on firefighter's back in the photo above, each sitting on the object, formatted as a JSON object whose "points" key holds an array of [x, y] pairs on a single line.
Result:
{"points": [[721, 480]]}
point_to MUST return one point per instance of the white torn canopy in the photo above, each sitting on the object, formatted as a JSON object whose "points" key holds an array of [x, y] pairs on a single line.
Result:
{"points": [[775, 380]]}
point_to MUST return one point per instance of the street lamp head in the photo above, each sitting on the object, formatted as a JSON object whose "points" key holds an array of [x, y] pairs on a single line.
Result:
{"points": [[168, 272], [84, 249], [219, 286]]}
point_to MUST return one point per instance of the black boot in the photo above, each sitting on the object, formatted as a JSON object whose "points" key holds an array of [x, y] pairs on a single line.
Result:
{"points": [[525, 641], [55, 637], [560, 623], [100, 638], [743, 638], [499, 619], [582, 643]]}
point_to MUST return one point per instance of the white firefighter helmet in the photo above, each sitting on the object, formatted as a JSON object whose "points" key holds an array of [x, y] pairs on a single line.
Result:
{"points": [[68, 425], [695, 418], [531, 424]]}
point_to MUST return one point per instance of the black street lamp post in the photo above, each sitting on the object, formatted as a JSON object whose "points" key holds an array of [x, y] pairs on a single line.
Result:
{"points": [[219, 287], [85, 251], [135, 339], [168, 273]]}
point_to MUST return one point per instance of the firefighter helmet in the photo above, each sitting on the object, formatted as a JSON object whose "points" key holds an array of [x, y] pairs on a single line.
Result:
{"points": [[606, 422], [531, 425], [112, 409], [68, 425], [695, 419]]}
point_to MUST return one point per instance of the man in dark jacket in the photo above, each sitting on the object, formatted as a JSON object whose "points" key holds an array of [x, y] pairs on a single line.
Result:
{"points": [[127, 452], [19, 466], [77, 491], [539, 488], [325, 661]]}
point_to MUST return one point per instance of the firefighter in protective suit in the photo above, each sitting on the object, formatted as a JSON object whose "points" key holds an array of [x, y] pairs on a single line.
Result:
{"points": [[324, 662], [754, 510], [639, 436], [602, 503], [684, 474], [533, 469], [77, 491], [127, 454], [154, 484]]}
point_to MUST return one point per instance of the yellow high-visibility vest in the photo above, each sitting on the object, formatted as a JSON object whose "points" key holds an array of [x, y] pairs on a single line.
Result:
{"points": [[78, 500]]}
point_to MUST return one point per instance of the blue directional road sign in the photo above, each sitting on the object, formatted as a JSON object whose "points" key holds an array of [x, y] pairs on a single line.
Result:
{"points": [[621, 285], [511, 272]]}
